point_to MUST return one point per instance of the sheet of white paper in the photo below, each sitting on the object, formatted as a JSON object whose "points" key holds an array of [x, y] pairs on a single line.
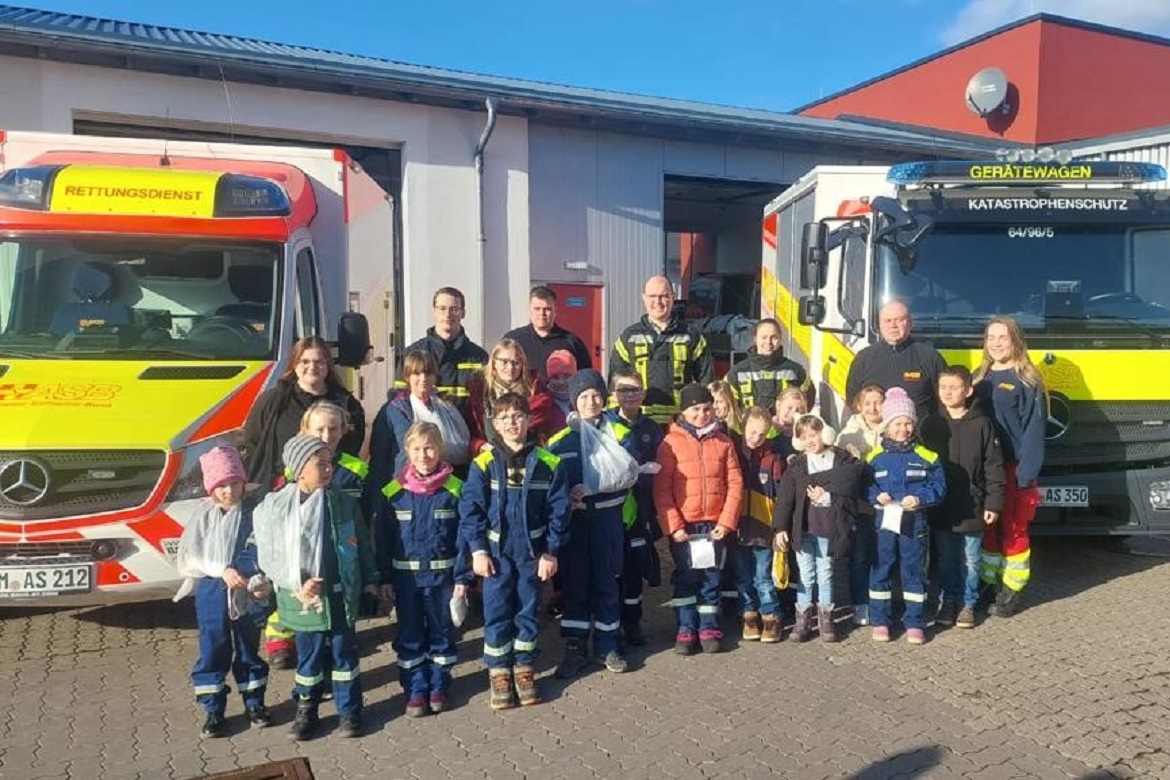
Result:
{"points": [[702, 554], [892, 518]]}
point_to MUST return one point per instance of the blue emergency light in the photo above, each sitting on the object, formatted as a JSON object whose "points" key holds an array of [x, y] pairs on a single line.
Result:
{"points": [[27, 188], [1004, 173], [237, 195]]}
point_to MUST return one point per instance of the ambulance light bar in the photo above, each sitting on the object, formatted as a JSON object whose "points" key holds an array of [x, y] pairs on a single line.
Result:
{"points": [[1024, 174], [27, 188], [250, 196]]}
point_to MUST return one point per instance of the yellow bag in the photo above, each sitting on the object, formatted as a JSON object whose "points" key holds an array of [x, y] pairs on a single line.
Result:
{"points": [[780, 569]]}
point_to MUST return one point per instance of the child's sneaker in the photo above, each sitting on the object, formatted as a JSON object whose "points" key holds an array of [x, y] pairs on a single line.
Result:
{"points": [[946, 613], [751, 626], [526, 686], [213, 727], [259, 716], [350, 726], [881, 633], [861, 614], [438, 702], [916, 636], [684, 642], [772, 632], [710, 640], [416, 707], [966, 618], [503, 695], [615, 662]]}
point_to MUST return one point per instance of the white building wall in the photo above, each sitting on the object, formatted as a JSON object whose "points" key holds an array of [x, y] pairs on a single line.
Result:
{"points": [[1154, 148], [440, 236]]}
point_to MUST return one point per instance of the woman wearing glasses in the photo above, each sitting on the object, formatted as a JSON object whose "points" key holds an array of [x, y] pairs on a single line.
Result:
{"points": [[507, 371]]}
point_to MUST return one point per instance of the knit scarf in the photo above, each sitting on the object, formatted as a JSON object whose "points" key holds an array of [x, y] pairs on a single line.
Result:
{"points": [[427, 484]]}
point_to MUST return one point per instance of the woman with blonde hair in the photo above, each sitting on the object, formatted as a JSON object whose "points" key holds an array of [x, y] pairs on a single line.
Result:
{"points": [[727, 409], [1011, 387], [507, 371]]}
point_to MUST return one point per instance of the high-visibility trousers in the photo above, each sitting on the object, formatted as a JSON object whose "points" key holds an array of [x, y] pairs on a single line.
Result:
{"points": [[1007, 547]]}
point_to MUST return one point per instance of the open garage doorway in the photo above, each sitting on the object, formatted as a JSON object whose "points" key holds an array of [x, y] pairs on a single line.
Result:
{"points": [[712, 229]]}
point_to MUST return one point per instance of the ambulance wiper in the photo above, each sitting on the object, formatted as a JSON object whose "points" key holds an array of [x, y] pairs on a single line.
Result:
{"points": [[16, 354]]}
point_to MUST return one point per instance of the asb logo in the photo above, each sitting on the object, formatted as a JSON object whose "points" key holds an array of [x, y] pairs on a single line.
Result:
{"points": [[24, 482]]}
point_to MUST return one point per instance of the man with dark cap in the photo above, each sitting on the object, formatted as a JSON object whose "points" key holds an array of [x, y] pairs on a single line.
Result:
{"points": [[592, 561]]}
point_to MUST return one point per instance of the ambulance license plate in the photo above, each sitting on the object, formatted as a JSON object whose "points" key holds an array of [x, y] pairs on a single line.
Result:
{"points": [[22, 582], [1065, 495]]}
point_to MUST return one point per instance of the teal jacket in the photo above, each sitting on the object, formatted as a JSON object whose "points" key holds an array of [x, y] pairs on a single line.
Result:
{"points": [[355, 563]]}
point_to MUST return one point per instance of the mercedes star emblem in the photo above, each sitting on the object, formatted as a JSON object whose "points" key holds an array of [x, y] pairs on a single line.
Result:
{"points": [[23, 482], [1059, 417]]}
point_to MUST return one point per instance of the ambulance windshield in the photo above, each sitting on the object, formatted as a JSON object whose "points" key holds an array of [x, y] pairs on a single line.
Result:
{"points": [[126, 298], [1058, 277]]}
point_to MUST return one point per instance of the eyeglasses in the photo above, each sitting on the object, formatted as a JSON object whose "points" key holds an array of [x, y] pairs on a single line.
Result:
{"points": [[508, 361], [627, 390], [660, 297], [510, 419]]}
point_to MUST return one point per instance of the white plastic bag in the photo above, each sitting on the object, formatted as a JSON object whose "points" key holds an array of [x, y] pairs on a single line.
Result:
{"points": [[452, 427], [605, 466], [206, 546], [459, 608], [288, 538]]}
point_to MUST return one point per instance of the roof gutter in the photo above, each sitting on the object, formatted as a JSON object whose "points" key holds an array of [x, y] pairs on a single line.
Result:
{"points": [[480, 148]]}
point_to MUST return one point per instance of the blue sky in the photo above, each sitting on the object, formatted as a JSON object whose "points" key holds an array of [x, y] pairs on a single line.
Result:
{"points": [[777, 54]]}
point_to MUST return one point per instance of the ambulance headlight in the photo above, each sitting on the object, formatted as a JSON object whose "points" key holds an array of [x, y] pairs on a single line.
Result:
{"points": [[1160, 495], [189, 484]]}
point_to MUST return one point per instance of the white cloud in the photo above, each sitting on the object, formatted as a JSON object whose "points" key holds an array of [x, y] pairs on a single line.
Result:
{"points": [[979, 16]]}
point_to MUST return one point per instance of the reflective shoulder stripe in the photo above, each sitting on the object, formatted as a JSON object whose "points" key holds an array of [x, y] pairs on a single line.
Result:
{"points": [[392, 489], [873, 454], [356, 465], [483, 460], [468, 366], [700, 346], [619, 346], [556, 437], [927, 455], [547, 458], [454, 486]]}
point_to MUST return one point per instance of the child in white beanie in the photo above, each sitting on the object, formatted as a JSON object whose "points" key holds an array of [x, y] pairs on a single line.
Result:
{"points": [[906, 479]]}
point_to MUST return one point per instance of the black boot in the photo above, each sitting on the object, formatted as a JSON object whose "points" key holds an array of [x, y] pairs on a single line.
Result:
{"points": [[1006, 604], [306, 723], [574, 661], [214, 725]]}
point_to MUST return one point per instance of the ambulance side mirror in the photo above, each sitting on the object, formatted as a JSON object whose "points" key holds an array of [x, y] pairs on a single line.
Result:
{"points": [[813, 256], [353, 339], [811, 310]]}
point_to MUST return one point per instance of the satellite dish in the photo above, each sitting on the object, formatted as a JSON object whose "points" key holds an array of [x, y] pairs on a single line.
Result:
{"points": [[986, 91]]}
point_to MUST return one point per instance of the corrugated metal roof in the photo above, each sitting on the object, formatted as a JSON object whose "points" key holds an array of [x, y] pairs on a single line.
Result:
{"points": [[32, 26]]}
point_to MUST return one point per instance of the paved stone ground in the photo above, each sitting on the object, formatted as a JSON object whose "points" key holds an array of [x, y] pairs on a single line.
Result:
{"points": [[1077, 686]]}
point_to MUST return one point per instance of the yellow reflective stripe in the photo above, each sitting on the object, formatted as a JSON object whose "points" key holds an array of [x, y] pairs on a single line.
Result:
{"points": [[927, 455], [497, 651], [456, 390], [614, 626], [556, 437], [546, 457], [525, 646], [403, 514], [483, 460], [444, 514], [708, 609], [309, 682], [454, 486], [629, 511], [208, 690], [254, 685], [678, 367], [683, 602], [468, 366], [445, 660], [391, 488], [623, 352], [917, 598], [356, 465], [641, 361], [342, 676], [880, 595]]}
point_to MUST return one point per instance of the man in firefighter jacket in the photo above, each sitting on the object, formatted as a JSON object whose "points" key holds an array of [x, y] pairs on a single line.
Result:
{"points": [[666, 352], [459, 357]]}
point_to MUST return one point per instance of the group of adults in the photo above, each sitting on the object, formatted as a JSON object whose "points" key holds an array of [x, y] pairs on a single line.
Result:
{"points": [[537, 360]]}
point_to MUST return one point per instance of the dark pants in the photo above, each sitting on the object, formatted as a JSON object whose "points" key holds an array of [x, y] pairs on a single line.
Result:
{"points": [[632, 581], [314, 651], [861, 559], [908, 553], [591, 573], [696, 591], [425, 644], [510, 600], [226, 644]]}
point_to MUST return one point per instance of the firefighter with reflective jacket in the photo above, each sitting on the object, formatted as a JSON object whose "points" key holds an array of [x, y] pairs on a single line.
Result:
{"points": [[665, 352], [765, 373], [458, 357]]}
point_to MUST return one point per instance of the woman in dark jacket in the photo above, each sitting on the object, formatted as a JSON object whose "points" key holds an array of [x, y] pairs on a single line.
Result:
{"points": [[276, 417]]}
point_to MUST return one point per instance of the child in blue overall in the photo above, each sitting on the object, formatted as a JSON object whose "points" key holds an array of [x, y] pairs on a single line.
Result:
{"points": [[514, 517], [641, 557], [321, 569], [591, 568], [217, 555], [421, 564], [328, 422], [909, 475]]}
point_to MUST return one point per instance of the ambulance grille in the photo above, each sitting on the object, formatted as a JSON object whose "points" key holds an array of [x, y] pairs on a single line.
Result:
{"points": [[80, 482], [1109, 433]]}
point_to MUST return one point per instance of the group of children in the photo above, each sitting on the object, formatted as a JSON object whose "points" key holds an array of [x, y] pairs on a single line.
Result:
{"points": [[586, 508]]}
